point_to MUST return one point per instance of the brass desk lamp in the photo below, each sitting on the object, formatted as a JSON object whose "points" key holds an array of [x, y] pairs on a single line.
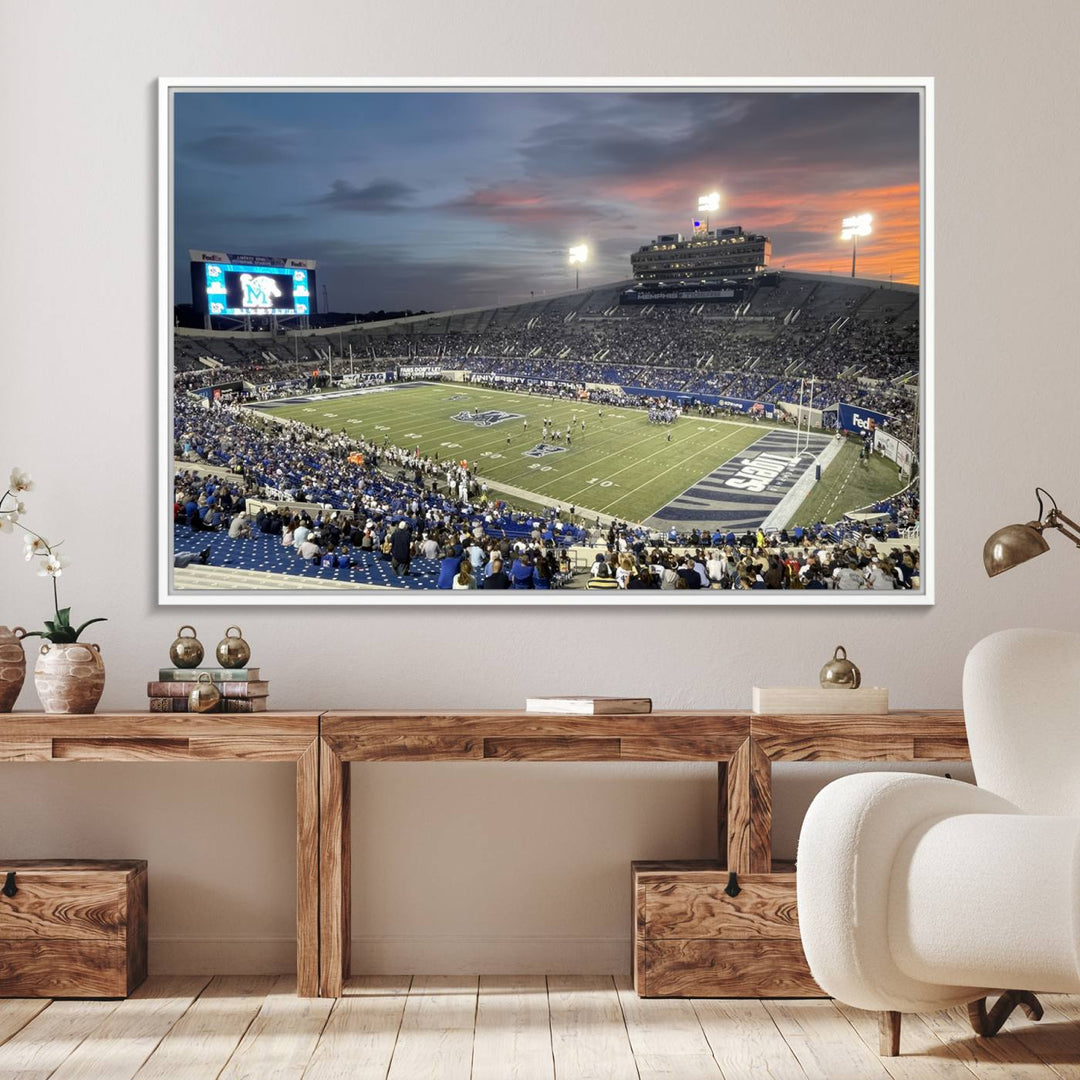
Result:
{"points": [[1014, 544]]}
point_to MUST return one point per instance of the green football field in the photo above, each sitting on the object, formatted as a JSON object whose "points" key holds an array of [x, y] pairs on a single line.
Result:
{"points": [[620, 465], [849, 482]]}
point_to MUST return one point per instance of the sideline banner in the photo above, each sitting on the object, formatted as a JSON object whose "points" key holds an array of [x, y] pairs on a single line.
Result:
{"points": [[766, 409], [895, 450]]}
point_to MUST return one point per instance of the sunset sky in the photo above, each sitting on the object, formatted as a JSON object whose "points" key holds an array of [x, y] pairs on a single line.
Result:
{"points": [[442, 199]]}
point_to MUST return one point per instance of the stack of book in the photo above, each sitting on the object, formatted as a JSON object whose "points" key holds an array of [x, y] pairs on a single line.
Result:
{"points": [[588, 706], [241, 689]]}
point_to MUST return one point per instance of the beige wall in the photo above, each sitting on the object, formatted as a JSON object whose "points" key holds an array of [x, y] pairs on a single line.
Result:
{"points": [[496, 867]]}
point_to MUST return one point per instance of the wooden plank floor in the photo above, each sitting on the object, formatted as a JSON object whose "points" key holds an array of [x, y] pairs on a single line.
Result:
{"points": [[524, 1027]]}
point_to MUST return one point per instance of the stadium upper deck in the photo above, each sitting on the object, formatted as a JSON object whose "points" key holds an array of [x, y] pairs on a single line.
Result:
{"points": [[783, 296], [706, 256]]}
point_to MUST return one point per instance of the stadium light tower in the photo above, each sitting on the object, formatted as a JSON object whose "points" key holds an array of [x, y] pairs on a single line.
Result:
{"points": [[851, 229], [579, 254], [708, 204]]}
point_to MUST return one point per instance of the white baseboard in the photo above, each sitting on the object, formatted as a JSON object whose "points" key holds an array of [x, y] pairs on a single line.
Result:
{"points": [[430, 954]]}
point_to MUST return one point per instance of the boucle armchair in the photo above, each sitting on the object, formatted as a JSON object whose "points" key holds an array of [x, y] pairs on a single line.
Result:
{"points": [[919, 893]]}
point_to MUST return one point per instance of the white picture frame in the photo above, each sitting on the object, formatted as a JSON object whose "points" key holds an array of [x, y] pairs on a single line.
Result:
{"points": [[169, 594]]}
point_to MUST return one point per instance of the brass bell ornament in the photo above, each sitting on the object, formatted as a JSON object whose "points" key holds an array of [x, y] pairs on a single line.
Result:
{"points": [[233, 652], [840, 673], [204, 695], [186, 652]]}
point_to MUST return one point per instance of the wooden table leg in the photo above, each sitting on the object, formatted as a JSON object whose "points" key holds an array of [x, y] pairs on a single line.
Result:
{"points": [[760, 810], [307, 872], [334, 872], [722, 813], [749, 810]]}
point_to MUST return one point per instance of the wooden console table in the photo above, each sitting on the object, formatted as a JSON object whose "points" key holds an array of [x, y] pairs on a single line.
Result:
{"points": [[742, 744], [499, 736], [136, 736]]}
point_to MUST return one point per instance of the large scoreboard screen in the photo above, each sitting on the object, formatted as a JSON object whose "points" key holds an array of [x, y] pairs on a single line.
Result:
{"points": [[235, 289], [237, 285]]}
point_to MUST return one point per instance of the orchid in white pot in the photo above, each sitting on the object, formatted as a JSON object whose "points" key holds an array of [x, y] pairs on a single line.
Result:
{"points": [[51, 563], [69, 675]]}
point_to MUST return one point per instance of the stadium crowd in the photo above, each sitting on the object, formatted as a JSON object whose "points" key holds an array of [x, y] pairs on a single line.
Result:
{"points": [[676, 350], [361, 480], [849, 566], [345, 505], [473, 550]]}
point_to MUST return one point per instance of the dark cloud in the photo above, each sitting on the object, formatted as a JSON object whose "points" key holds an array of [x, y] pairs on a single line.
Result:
{"points": [[379, 195], [544, 209], [638, 135], [385, 276], [383, 281], [239, 144], [263, 220], [617, 246]]}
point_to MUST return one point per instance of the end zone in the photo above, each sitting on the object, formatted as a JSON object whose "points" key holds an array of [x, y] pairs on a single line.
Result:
{"points": [[746, 490]]}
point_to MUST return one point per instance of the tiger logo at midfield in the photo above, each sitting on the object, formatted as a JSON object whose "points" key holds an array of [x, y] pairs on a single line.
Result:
{"points": [[485, 419]]}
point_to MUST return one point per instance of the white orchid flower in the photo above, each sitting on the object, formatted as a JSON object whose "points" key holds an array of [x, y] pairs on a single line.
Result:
{"points": [[54, 566], [20, 481], [34, 545], [8, 519]]}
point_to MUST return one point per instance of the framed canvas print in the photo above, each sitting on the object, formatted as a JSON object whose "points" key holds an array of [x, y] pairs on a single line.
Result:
{"points": [[546, 341]]}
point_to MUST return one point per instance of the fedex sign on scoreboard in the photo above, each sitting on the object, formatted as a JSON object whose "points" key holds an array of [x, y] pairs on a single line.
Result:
{"points": [[239, 285]]}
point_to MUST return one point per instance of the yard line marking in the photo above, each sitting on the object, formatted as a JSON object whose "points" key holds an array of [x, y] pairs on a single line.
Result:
{"points": [[668, 502], [664, 448], [677, 465], [840, 489], [652, 438]]}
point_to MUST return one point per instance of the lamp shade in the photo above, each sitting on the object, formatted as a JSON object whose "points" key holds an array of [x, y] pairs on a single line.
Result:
{"points": [[1012, 545]]}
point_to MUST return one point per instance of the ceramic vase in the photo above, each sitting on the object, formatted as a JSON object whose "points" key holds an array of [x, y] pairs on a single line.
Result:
{"points": [[69, 678], [12, 666]]}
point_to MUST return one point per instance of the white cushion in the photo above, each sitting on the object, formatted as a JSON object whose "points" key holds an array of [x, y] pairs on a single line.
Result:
{"points": [[1022, 709], [988, 900]]}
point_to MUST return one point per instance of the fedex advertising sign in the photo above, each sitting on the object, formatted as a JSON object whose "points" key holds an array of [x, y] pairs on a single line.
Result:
{"points": [[861, 421]]}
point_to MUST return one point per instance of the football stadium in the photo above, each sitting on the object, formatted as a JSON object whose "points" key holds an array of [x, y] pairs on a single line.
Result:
{"points": [[708, 422]]}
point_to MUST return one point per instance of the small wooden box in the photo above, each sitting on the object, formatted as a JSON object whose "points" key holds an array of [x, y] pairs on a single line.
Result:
{"points": [[818, 701], [691, 939], [72, 928]]}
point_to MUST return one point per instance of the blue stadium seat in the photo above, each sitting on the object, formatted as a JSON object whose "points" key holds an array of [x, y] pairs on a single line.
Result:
{"points": [[265, 553]]}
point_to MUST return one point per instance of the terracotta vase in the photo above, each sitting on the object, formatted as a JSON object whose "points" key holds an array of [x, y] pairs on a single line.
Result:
{"points": [[12, 666], [69, 678]]}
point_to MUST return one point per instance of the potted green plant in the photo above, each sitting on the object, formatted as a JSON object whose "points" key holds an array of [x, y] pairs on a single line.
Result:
{"points": [[69, 674]]}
